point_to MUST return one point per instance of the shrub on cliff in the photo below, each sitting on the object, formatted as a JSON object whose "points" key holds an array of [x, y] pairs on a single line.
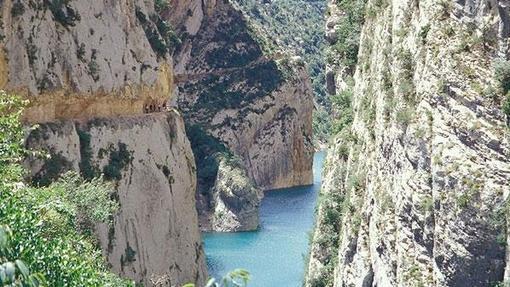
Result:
{"points": [[51, 227], [206, 149], [349, 30], [502, 75]]}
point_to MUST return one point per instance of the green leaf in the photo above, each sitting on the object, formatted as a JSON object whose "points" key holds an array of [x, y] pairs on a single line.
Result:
{"points": [[10, 271], [36, 280], [210, 283], [23, 269], [3, 238]]}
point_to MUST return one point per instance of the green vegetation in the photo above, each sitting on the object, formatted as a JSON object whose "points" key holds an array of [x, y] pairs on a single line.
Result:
{"points": [[62, 12], [206, 150], [94, 68], [342, 104], [406, 86], [424, 31], [81, 52], [498, 221], [17, 9], [159, 33], [87, 168], [237, 90], [228, 54], [14, 272], [51, 226], [236, 278], [161, 5], [321, 124], [119, 160], [296, 26], [348, 32], [502, 75], [53, 167]]}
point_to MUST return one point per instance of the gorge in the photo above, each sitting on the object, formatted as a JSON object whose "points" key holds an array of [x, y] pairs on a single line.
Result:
{"points": [[163, 142]]}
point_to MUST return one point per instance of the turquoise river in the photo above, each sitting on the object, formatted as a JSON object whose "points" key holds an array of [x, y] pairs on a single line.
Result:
{"points": [[275, 254]]}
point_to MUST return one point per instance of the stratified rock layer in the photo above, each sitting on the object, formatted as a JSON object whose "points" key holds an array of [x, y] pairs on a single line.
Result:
{"points": [[82, 58], [417, 188]]}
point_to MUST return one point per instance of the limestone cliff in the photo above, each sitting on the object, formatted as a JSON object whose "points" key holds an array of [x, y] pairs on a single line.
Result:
{"points": [[227, 199], [235, 206], [82, 59], [155, 239], [261, 108], [415, 189], [91, 69], [256, 103]]}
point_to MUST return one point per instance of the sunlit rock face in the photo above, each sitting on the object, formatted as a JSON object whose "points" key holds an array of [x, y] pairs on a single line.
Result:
{"points": [[416, 188], [99, 77], [155, 236]]}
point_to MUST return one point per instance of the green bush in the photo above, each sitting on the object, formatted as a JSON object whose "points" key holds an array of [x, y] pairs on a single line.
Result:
{"points": [[206, 150], [119, 160], [342, 103], [62, 12], [161, 5], [94, 70], [349, 30], [51, 170], [506, 106], [45, 220], [87, 167], [17, 9], [502, 74], [14, 272]]}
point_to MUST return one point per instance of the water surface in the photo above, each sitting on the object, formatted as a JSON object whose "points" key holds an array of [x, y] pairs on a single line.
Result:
{"points": [[274, 255]]}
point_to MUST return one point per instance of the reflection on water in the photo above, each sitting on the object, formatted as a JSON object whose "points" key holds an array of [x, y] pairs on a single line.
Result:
{"points": [[274, 255]]}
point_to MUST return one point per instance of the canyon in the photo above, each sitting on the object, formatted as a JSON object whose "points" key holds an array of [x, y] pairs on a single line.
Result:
{"points": [[197, 109]]}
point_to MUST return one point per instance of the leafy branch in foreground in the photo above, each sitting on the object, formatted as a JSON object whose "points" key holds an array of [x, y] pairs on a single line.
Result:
{"points": [[14, 272], [45, 238], [236, 278]]}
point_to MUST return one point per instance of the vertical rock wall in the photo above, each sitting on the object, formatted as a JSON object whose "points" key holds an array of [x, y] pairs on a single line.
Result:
{"points": [[259, 105], [154, 239], [91, 70], [418, 185]]}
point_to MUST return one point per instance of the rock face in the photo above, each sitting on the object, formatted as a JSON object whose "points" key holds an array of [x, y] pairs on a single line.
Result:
{"points": [[227, 199], [416, 188], [91, 69], [259, 107], [154, 239], [236, 200], [83, 59]]}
